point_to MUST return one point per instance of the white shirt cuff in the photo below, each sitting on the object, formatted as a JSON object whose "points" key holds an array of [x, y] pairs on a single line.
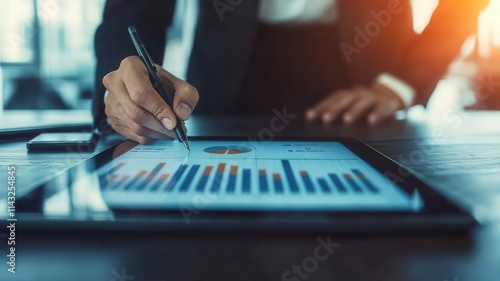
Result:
{"points": [[402, 89]]}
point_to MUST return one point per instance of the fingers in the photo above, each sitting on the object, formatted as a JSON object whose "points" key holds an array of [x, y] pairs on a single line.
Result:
{"points": [[387, 109], [136, 110], [332, 108], [142, 93], [371, 104], [383, 111], [185, 100], [138, 115], [337, 107], [359, 109], [118, 102], [135, 129], [317, 111], [123, 130], [186, 96], [137, 132]]}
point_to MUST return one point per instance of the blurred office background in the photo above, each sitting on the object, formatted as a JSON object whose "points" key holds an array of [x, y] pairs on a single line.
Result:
{"points": [[46, 53], [47, 59]]}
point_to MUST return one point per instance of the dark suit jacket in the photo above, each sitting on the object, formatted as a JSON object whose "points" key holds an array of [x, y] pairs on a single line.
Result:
{"points": [[222, 49]]}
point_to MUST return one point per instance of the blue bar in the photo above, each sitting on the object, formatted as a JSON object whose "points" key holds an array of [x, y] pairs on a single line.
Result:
{"points": [[159, 182], [365, 180], [103, 177], [189, 178], [324, 185], [105, 182], [263, 182], [352, 183], [289, 176], [118, 183], [115, 168], [175, 178], [278, 185], [135, 180], [307, 182], [218, 178], [204, 179], [336, 181], [231, 184], [150, 177], [246, 181]]}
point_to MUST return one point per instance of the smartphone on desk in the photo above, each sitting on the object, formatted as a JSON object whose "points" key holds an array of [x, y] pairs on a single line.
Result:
{"points": [[64, 142]]}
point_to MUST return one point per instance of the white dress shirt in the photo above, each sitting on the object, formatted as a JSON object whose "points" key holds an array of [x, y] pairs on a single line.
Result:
{"points": [[298, 11]]}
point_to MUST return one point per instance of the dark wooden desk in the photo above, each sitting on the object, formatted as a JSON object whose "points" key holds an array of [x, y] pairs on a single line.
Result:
{"points": [[459, 152]]}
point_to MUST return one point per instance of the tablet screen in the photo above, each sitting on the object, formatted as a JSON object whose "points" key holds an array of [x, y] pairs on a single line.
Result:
{"points": [[250, 175]]}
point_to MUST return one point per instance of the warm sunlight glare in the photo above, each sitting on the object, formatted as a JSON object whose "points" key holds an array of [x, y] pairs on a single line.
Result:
{"points": [[489, 29]]}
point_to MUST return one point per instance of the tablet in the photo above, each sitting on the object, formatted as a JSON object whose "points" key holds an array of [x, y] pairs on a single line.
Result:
{"points": [[322, 184]]}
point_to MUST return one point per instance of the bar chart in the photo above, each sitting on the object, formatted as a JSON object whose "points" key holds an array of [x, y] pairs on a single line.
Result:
{"points": [[232, 179], [256, 182]]}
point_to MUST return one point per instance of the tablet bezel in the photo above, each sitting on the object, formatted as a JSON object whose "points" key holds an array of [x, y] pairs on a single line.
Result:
{"points": [[438, 210]]}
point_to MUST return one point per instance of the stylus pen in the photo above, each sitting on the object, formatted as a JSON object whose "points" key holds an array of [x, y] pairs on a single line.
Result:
{"points": [[163, 87]]}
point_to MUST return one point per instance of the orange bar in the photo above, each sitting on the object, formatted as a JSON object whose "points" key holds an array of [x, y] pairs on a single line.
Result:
{"points": [[221, 167], [262, 172], [234, 170], [276, 176], [153, 174], [347, 176], [303, 173], [207, 170]]}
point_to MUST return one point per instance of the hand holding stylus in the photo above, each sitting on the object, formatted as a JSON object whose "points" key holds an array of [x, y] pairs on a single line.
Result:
{"points": [[136, 110]]}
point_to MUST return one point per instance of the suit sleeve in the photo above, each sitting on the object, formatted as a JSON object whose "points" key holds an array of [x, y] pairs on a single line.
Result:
{"points": [[113, 44], [427, 57]]}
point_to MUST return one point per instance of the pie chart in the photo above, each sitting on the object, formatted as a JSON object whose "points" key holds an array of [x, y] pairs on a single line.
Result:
{"points": [[227, 150]]}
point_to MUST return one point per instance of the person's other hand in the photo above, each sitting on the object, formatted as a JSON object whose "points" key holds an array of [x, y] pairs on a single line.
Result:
{"points": [[136, 110], [375, 104]]}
